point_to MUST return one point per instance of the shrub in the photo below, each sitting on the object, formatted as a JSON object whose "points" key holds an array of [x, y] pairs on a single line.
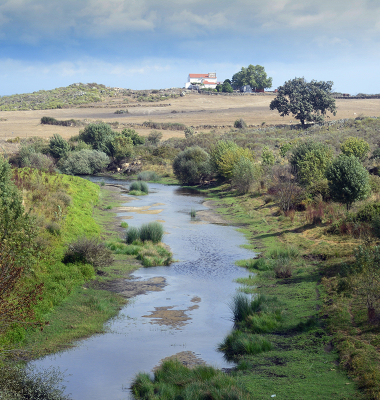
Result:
{"points": [[29, 158], [120, 147], [192, 166], [189, 132], [88, 251], [153, 231], [59, 147], [84, 162], [244, 174], [133, 135], [154, 137], [283, 268], [267, 156], [139, 187], [310, 160], [224, 156], [153, 255], [147, 176], [240, 124], [374, 183], [356, 147], [348, 180], [98, 136]]}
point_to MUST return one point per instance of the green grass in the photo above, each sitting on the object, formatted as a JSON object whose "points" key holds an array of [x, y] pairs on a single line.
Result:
{"points": [[138, 186], [152, 231], [175, 381]]}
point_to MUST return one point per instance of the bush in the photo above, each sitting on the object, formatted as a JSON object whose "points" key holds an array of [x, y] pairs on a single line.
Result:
{"points": [[374, 183], [192, 166], [139, 187], [120, 147], [133, 135], [153, 231], [348, 180], [88, 251], [267, 156], [283, 268], [59, 147], [147, 176], [154, 137], [189, 132], [240, 124], [310, 160], [244, 174], [84, 162], [356, 147], [98, 136], [224, 156], [28, 157]]}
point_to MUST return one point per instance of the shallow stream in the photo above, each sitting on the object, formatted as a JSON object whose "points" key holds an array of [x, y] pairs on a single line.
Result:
{"points": [[190, 314]]}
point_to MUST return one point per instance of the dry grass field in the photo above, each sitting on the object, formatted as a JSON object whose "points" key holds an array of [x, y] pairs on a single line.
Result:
{"points": [[192, 110]]}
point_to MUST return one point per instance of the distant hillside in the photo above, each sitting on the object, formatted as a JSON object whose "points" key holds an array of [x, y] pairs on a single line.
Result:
{"points": [[63, 97], [79, 94]]}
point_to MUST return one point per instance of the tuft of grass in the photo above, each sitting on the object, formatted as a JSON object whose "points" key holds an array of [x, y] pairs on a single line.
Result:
{"points": [[153, 231], [240, 343], [175, 381], [132, 234], [124, 224], [193, 213], [139, 186]]}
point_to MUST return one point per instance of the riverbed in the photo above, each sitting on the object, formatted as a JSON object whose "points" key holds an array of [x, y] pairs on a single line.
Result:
{"points": [[187, 316]]}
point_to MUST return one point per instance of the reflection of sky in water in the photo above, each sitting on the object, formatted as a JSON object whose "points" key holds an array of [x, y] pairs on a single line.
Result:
{"points": [[206, 254]]}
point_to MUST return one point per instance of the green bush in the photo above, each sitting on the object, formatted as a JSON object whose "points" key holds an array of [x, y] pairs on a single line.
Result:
{"points": [[148, 176], [98, 135], [267, 156], [374, 183], [59, 147], [88, 251], [310, 160], [368, 212], [240, 123], [84, 162], [133, 135], [357, 147], [192, 166], [139, 186], [244, 174], [28, 157], [154, 138], [348, 180]]}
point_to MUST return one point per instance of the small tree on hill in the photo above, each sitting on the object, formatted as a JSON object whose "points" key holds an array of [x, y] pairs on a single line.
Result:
{"points": [[354, 146], [226, 87], [348, 180], [307, 101]]}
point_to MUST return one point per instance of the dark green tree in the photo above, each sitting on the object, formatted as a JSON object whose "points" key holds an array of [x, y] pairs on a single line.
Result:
{"points": [[254, 75], [136, 138], [348, 180], [98, 136], [192, 165], [310, 160], [58, 146], [226, 87], [307, 101]]}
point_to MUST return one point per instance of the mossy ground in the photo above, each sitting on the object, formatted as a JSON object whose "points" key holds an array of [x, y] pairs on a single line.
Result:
{"points": [[304, 363]]}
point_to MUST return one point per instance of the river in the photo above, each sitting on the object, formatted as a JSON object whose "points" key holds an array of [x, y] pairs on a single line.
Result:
{"points": [[199, 288]]}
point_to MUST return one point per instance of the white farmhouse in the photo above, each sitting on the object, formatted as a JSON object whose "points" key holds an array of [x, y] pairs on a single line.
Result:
{"points": [[208, 81]]}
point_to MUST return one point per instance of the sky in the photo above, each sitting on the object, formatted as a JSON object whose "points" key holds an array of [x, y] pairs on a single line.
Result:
{"points": [[154, 44]]}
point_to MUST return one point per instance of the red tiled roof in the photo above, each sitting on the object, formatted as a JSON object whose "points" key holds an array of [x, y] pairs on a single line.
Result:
{"points": [[198, 75]]}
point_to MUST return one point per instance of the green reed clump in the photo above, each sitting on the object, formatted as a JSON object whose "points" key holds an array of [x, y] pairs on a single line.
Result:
{"points": [[132, 234], [193, 213], [153, 231], [139, 186], [239, 343], [175, 381]]}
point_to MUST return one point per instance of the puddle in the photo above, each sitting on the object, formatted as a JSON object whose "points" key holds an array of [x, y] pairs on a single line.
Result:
{"points": [[180, 311]]}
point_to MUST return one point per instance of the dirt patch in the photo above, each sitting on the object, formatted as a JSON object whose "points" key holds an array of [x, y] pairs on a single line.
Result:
{"points": [[187, 358], [210, 215], [133, 287]]}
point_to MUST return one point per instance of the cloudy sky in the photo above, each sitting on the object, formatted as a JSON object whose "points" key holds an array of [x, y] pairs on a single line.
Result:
{"points": [[146, 44]]}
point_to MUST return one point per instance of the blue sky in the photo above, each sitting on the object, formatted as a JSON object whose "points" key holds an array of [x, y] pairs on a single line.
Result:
{"points": [[151, 44]]}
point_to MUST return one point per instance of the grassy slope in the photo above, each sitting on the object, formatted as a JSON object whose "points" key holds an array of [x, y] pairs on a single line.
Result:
{"points": [[73, 308], [303, 365]]}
